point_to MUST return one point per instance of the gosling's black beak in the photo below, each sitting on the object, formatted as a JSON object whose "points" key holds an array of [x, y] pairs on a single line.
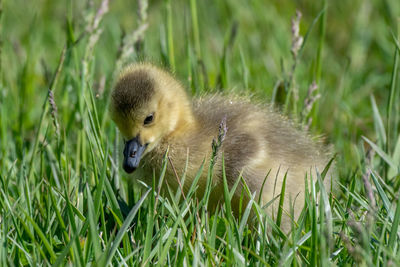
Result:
{"points": [[132, 153]]}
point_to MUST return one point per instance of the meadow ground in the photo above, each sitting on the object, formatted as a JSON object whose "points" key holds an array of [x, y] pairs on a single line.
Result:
{"points": [[64, 199]]}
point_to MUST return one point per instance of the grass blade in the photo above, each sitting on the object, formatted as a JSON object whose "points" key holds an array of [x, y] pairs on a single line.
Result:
{"points": [[122, 231], [381, 153]]}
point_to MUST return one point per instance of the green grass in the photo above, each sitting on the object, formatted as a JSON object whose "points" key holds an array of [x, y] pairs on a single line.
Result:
{"points": [[64, 199]]}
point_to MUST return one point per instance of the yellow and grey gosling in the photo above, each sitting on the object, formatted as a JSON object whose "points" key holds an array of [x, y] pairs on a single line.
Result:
{"points": [[154, 113]]}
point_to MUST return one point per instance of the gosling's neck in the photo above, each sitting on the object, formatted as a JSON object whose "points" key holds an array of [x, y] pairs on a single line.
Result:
{"points": [[185, 120], [179, 105]]}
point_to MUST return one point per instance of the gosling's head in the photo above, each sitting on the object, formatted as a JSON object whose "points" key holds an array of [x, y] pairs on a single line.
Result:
{"points": [[147, 104]]}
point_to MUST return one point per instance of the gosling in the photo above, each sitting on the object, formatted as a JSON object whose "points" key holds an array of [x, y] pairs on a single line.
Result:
{"points": [[154, 114]]}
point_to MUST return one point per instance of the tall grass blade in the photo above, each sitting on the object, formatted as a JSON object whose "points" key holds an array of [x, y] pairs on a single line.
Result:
{"points": [[381, 153], [110, 251]]}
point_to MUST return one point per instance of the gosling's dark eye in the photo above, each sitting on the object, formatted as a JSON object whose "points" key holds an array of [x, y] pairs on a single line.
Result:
{"points": [[149, 119]]}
